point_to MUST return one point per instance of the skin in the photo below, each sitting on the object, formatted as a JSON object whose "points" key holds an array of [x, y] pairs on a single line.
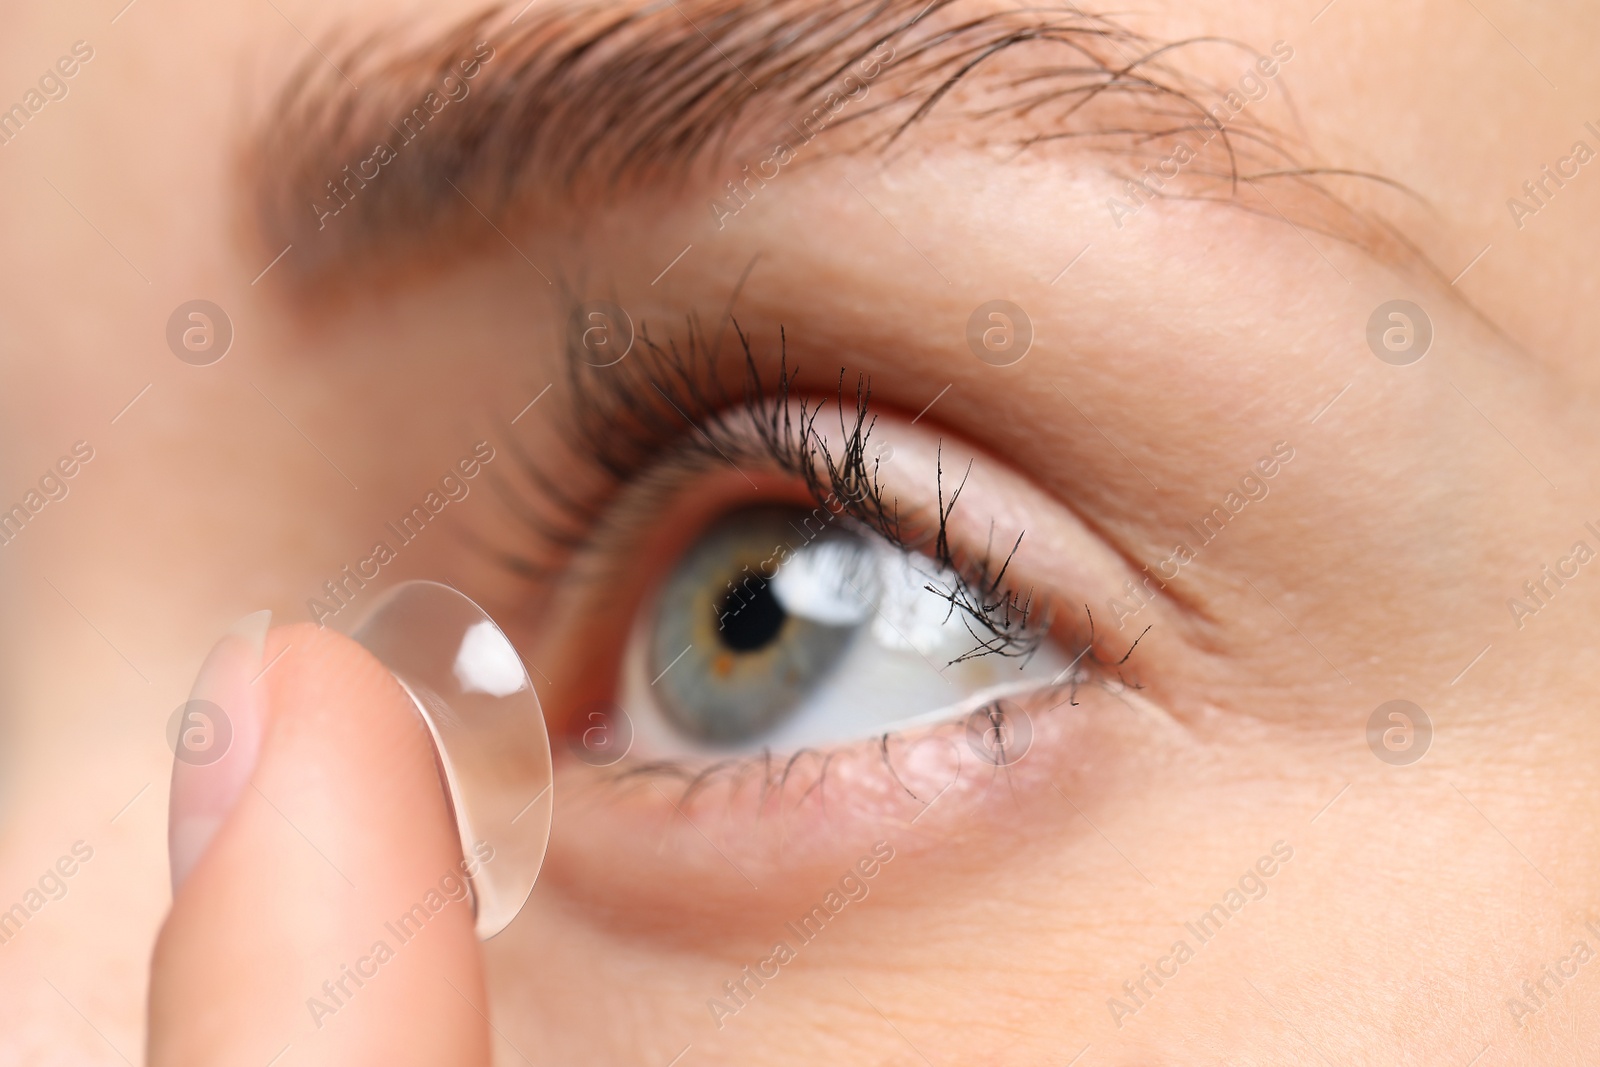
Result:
{"points": [[1418, 897]]}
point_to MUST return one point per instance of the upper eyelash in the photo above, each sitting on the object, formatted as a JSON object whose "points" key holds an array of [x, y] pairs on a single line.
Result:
{"points": [[675, 397], [671, 396]]}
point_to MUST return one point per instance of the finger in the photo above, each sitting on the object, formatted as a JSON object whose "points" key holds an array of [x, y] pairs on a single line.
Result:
{"points": [[323, 908]]}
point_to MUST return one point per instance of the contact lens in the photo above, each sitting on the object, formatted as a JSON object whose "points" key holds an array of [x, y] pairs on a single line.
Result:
{"points": [[470, 686]]}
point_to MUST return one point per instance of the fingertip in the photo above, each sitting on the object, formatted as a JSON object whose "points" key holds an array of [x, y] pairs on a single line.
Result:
{"points": [[216, 738], [341, 831]]}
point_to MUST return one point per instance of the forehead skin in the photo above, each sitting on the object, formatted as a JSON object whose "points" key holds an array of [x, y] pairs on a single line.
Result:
{"points": [[1190, 340]]}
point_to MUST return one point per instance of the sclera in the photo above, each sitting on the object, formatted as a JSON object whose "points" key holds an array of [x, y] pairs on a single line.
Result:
{"points": [[468, 683]]}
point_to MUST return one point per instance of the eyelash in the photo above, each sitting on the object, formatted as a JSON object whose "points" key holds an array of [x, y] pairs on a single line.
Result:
{"points": [[672, 399]]}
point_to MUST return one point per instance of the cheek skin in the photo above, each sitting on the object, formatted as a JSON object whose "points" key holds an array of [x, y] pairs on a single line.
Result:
{"points": [[1073, 867]]}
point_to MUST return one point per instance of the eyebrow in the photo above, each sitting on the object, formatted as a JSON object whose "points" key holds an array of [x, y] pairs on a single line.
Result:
{"points": [[578, 105]]}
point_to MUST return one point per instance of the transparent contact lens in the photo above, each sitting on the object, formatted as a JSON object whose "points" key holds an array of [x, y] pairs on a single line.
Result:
{"points": [[472, 690]]}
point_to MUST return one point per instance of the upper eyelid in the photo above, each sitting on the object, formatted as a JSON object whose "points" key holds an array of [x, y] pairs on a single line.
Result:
{"points": [[612, 524], [655, 412], [613, 426], [636, 489]]}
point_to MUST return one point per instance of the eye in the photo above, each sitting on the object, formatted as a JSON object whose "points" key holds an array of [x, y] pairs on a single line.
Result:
{"points": [[808, 640], [784, 627], [769, 584]]}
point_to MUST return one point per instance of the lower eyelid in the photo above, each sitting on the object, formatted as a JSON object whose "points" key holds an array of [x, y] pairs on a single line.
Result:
{"points": [[747, 828]]}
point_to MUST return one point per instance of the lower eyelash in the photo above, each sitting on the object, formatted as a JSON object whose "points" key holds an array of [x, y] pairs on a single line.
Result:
{"points": [[775, 773], [673, 399]]}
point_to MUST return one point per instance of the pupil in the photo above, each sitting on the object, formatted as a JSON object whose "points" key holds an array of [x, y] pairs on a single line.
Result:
{"points": [[750, 617]]}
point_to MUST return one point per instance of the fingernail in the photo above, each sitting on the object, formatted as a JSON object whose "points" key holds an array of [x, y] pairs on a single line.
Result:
{"points": [[215, 739]]}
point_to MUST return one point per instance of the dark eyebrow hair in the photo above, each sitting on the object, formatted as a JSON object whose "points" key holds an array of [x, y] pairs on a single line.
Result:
{"points": [[579, 104]]}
